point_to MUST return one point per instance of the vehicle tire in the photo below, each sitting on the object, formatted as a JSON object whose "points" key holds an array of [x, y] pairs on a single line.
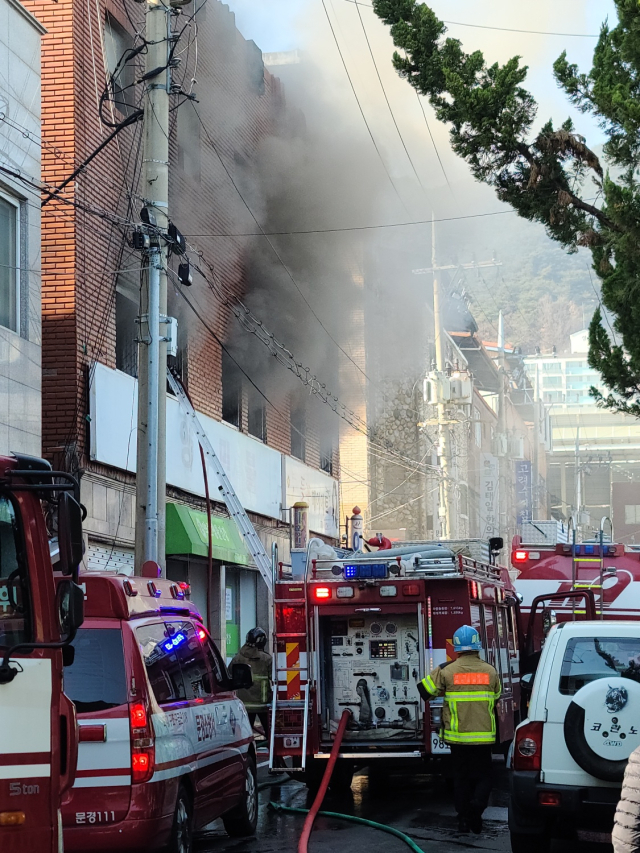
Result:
{"points": [[182, 830], [530, 843], [242, 820]]}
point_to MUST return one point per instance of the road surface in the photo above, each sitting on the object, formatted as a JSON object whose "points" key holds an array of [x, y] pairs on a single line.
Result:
{"points": [[418, 805]]}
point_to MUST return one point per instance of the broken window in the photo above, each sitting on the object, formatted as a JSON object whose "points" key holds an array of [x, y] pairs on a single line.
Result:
{"points": [[256, 414], [231, 391], [298, 430]]}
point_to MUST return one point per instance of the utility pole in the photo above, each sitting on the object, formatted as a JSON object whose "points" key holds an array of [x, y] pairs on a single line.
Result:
{"points": [[504, 481], [152, 350], [446, 503], [577, 485], [446, 489]]}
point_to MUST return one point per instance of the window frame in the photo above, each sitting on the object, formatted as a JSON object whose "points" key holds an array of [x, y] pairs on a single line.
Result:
{"points": [[23, 565], [15, 202]]}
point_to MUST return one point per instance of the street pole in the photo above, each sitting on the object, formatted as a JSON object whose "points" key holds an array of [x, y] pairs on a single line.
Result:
{"points": [[504, 481], [446, 486], [152, 398]]}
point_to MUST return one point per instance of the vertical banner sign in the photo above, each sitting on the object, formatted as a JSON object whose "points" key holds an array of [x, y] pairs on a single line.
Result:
{"points": [[489, 478], [300, 524], [524, 506]]}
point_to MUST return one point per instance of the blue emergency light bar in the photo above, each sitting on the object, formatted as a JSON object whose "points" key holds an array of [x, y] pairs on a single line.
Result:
{"points": [[366, 570], [176, 641]]}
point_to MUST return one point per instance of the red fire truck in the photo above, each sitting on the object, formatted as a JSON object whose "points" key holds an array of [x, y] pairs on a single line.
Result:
{"points": [[560, 579], [38, 738], [360, 630]]}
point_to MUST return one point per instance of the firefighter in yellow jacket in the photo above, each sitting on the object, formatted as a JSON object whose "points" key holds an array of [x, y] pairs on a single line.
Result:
{"points": [[470, 688]]}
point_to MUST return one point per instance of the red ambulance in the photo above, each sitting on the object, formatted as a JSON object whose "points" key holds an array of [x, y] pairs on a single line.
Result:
{"points": [[165, 744]]}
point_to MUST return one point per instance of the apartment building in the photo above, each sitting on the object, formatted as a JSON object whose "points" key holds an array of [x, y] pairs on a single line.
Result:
{"points": [[20, 326]]}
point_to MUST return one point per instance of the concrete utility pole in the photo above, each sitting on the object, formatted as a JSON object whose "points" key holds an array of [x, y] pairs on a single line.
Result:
{"points": [[446, 502], [152, 350], [503, 437], [446, 491]]}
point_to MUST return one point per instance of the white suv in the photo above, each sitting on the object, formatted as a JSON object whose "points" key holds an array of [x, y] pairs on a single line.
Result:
{"points": [[569, 755]]}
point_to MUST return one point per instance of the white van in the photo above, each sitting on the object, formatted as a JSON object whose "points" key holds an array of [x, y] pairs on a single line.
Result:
{"points": [[569, 755]]}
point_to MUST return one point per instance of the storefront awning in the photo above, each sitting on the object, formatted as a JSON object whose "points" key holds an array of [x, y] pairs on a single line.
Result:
{"points": [[187, 533]]}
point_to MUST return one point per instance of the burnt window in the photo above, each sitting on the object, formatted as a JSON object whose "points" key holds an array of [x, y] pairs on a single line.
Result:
{"points": [[326, 453], [231, 391], [298, 430], [256, 414]]}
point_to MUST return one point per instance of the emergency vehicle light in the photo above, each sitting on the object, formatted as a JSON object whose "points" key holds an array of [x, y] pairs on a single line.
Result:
{"points": [[411, 589], [388, 591], [138, 715], [322, 592], [520, 556], [176, 641], [202, 634], [366, 570]]}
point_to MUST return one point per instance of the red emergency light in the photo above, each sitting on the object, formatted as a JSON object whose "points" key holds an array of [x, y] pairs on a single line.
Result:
{"points": [[520, 556], [322, 593]]}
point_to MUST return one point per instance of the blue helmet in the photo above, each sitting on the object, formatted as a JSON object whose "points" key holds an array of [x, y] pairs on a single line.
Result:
{"points": [[467, 639]]}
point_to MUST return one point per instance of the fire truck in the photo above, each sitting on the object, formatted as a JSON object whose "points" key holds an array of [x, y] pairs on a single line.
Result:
{"points": [[559, 578], [360, 630], [38, 735]]}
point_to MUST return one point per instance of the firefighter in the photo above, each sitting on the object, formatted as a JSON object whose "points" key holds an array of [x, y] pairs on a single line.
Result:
{"points": [[470, 687], [257, 697]]}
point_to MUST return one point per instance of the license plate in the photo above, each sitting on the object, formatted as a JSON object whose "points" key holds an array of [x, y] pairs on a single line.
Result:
{"points": [[594, 837], [438, 746], [291, 742]]}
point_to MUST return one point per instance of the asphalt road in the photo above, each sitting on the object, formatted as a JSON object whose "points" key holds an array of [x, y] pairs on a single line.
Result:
{"points": [[418, 805]]}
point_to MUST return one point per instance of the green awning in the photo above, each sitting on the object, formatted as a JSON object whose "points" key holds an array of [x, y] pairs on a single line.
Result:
{"points": [[187, 533]]}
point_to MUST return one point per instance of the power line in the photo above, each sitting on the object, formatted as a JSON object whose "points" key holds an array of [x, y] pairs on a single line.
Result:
{"points": [[501, 29], [355, 95], [384, 92], [293, 233]]}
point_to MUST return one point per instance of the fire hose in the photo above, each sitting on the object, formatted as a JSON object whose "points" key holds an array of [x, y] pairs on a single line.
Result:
{"points": [[314, 811]]}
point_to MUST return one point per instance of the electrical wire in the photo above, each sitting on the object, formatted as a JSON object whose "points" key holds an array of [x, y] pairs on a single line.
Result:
{"points": [[355, 95], [502, 29], [386, 97], [293, 232]]}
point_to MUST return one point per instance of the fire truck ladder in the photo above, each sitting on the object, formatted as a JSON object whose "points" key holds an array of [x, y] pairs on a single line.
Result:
{"points": [[284, 676], [578, 562], [235, 508]]}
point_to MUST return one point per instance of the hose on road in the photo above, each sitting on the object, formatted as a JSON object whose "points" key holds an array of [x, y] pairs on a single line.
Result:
{"points": [[326, 777], [371, 823]]}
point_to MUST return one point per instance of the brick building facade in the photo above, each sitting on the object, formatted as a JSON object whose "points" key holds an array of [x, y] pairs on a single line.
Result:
{"points": [[224, 106]]}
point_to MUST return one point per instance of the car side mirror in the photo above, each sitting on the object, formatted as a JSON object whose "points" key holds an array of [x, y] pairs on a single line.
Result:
{"points": [[70, 600], [241, 678], [526, 682], [70, 534]]}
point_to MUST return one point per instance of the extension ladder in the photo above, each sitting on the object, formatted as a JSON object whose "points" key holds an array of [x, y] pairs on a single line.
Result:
{"points": [[235, 508], [290, 682]]}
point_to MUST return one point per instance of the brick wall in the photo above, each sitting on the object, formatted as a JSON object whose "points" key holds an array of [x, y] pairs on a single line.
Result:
{"points": [[239, 104]]}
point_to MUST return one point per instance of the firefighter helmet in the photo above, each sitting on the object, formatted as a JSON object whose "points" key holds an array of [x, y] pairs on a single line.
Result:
{"points": [[257, 637], [466, 639]]}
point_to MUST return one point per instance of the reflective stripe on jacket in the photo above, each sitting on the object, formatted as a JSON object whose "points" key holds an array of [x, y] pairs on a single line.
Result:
{"points": [[470, 688], [258, 696]]}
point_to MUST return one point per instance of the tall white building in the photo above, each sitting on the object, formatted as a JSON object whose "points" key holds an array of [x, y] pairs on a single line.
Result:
{"points": [[596, 452], [20, 309]]}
